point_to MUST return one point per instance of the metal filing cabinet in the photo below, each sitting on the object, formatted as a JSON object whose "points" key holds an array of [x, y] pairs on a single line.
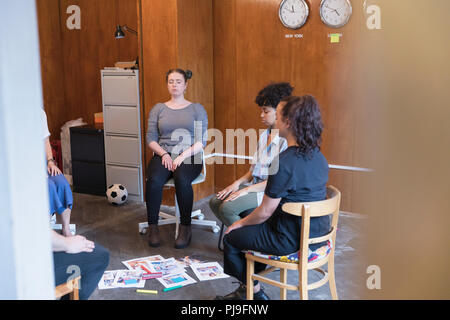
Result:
{"points": [[122, 130]]}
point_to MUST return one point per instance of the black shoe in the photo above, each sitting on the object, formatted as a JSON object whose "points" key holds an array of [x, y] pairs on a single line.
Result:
{"points": [[184, 237], [153, 236], [260, 295], [241, 294]]}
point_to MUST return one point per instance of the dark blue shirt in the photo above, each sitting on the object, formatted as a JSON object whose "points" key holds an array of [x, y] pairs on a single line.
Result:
{"points": [[298, 179]]}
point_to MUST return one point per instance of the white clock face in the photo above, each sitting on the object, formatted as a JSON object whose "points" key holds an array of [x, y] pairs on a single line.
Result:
{"points": [[293, 13], [335, 13]]}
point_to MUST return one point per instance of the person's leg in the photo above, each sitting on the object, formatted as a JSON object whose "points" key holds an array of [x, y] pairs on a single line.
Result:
{"points": [[253, 237], [61, 201], [256, 237], [157, 177], [231, 210], [183, 177], [54, 201], [214, 204], [89, 265], [62, 195], [64, 220]]}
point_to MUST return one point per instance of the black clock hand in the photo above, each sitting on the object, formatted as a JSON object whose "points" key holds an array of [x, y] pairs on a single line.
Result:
{"points": [[339, 9], [335, 10], [289, 10]]}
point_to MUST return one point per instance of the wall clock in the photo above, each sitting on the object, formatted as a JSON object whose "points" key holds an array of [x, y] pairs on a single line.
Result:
{"points": [[293, 13], [335, 13]]}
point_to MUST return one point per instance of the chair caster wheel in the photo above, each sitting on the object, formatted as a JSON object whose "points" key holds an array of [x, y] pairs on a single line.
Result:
{"points": [[201, 216], [216, 229]]}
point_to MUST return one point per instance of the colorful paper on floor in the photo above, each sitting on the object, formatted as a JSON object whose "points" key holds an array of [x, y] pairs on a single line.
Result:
{"points": [[107, 280], [208, 271], [167, 267], [142, 264], [129, 279], [188, 260], [174, 280]]}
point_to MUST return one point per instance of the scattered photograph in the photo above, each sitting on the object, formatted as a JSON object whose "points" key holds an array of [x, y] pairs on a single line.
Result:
{"points": [[166, 267], [107, 280], [129, 279], [174, 280], [208, 271], [186, 261], [142, 264]]}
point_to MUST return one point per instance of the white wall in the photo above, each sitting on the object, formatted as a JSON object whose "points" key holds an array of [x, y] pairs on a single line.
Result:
{"points": [[25, 250]]}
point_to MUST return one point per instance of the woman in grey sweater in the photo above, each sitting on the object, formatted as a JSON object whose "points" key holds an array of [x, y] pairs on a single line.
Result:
{"points": [[176, 135]]}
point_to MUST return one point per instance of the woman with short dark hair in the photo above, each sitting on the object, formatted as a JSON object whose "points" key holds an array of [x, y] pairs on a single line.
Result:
{"points": [[302, 176], [245, 194]]}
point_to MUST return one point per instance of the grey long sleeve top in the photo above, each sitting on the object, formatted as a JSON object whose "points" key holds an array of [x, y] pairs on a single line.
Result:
{"points": [[177, 130]]}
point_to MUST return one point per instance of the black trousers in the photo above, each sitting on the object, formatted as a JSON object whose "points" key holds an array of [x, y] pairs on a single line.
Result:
{"points": [[260, 237], [183, 177], [89, 265]]}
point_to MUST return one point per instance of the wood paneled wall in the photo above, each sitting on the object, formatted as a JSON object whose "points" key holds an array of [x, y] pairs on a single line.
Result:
{"points": [[234, 48], [251, 50], [71, 60]]}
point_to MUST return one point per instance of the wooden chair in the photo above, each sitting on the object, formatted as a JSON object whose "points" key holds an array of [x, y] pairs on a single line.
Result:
{"points": [[305, 210], [70, 287]]}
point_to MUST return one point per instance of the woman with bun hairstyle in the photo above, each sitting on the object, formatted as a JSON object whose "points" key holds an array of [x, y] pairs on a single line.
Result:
{"points": [[302, 177], [176, 135]]}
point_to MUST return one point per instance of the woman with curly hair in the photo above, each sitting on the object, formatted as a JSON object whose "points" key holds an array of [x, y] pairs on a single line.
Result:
{"points": [[245, 194], [302, 176]]}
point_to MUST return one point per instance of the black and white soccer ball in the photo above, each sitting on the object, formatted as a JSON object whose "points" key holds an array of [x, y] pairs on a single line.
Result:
{"points": [[117, 194]]}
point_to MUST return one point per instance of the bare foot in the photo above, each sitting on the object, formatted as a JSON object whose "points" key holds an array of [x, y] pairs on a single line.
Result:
{"points": [[66, 232]]}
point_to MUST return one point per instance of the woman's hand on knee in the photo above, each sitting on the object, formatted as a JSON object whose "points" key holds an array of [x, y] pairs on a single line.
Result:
{"points": [[167, 162], [177, 162], [52, 169], [236, 194], [221, 195]]}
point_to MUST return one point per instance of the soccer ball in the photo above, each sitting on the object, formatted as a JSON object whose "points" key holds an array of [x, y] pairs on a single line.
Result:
{"points": [[117, 194]]}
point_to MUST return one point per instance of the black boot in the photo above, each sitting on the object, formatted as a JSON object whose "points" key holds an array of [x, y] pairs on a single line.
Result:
{"points": [[153, 235], [184, 237], [241, 294]]}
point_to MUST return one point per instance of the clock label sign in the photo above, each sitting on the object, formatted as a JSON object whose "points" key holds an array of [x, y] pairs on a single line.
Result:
{"points": [[294, 36]]}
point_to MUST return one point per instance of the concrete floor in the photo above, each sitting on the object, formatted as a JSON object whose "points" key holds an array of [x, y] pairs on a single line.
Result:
{"points": [[116, 228]]}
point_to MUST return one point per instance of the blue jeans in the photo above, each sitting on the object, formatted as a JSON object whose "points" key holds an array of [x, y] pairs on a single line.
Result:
{"points": [[89, 265], [59, 193]]}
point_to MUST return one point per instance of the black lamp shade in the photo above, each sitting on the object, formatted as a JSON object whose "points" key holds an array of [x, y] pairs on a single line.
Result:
{"points": [[119, 34]]}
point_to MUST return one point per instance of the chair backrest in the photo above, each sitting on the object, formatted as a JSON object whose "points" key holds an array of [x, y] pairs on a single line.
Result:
{"points": [[307, 210], [204, 164]]}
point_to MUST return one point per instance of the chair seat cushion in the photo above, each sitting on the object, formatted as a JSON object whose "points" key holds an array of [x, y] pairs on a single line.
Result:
{"points": [[313, 256]]}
